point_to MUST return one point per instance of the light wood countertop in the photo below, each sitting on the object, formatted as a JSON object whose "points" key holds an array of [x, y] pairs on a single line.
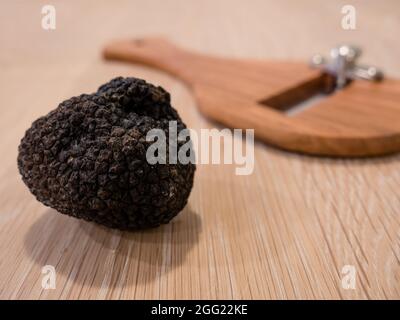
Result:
{"points": [[285, 231]]}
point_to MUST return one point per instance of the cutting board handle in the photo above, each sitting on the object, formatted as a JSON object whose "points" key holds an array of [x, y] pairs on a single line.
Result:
{"points": [[155, 52]]}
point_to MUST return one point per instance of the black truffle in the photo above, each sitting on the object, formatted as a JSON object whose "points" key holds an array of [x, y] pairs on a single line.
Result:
{"points": [[87, 158]]}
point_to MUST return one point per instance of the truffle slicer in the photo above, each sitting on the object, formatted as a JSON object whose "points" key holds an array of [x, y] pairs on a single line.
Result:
{"points": [[357, 118]]}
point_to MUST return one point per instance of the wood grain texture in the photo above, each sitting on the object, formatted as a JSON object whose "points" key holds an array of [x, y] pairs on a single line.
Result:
{"points": [[283, 232], [360, 120]]}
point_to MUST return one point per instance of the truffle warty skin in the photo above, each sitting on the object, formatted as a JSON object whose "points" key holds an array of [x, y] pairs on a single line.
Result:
{"points": [[87, 158]]}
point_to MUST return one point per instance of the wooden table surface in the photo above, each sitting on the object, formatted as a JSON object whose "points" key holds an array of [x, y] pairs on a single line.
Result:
{"points": [[286, 231]]}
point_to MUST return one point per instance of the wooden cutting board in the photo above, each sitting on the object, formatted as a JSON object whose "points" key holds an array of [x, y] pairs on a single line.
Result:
{"points": [[363, 119]]}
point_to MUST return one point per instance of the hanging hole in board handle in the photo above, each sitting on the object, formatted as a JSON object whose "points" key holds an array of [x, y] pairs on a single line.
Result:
{"points": [[139, 42]]}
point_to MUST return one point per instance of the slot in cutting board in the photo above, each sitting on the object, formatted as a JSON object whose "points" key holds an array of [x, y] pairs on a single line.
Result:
{"points": [[363, 119]]}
